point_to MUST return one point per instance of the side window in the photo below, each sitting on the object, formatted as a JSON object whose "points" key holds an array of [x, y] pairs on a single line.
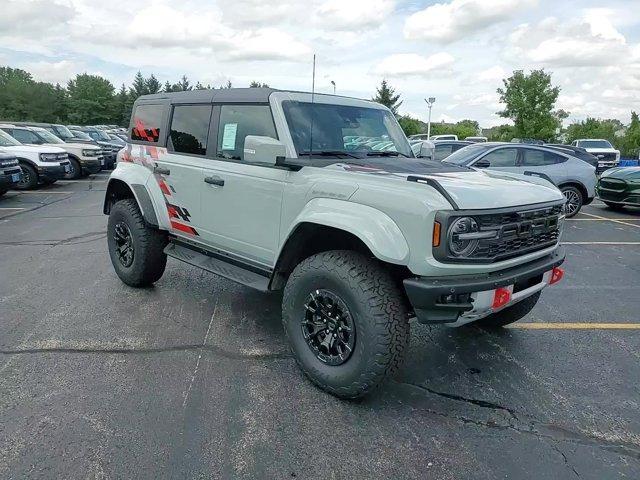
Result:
{"points": [[238, 121], [505, 157], [539, 158], [189, 129], [442, 152], [25, 136], [145, 123]]}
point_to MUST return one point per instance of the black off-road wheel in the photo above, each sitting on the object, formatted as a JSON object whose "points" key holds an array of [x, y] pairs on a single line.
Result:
{"points": [[29, 178], [346, 321], [136, 250], [574, 200], [508, 315]]}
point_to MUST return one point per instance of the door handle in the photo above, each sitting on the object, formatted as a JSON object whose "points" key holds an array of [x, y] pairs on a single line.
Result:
{"points": [[214, 181], [162, 171]]}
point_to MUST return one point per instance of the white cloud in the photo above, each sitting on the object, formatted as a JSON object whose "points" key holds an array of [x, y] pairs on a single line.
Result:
{"points": [[590, 40], [401, 64], [35, 16], [354, 14], [451, 21], [492, 74], [53, 72]]}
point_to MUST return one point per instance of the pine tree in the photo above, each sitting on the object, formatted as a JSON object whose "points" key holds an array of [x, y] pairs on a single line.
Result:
{"points": [[387, 97], [167, 87], [183, 85], [139, 86], [152, 85]]}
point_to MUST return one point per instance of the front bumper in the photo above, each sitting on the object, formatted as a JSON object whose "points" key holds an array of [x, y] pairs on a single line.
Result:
{"points": [[462, 298], [53, 172], [625, 196], [91, 165], [10, 178]]}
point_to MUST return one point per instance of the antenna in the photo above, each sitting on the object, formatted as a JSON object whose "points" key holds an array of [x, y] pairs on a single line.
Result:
{"points": [[313, 92]]}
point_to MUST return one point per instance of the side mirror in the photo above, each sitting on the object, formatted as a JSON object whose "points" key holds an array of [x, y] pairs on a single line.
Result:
{"points": [[265, 150], [427, 150], [482, 164]]}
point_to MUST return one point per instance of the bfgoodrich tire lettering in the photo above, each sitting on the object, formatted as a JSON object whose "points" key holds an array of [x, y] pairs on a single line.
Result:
{"points": [[377, 309], [509, 314], [148, 259]]}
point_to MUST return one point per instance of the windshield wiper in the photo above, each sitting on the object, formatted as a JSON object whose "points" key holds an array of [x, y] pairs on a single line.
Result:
{"points": [[328, 153], [387, 153]]}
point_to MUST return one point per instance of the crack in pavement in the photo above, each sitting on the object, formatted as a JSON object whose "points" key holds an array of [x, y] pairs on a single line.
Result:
{"points": [[532, 426], [64, 241], [566, 461], [216, 351]]}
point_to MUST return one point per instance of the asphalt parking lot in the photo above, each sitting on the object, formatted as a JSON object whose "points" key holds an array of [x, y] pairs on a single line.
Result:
{"points": [[193, 379]]}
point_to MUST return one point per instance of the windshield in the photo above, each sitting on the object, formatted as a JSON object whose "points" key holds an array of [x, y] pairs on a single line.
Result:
{"points": [[467, 154], [99, 135], [80, 135], [7, 140], [62, 132], [48, 137], [341, 129], [594, 144], [116, 139]]}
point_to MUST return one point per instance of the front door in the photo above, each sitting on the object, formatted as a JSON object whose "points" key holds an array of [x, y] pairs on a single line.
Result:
{"points": [[241, 202]]}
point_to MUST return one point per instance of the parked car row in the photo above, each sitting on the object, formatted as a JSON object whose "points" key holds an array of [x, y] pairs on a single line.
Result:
{"points": [[47, 152]]}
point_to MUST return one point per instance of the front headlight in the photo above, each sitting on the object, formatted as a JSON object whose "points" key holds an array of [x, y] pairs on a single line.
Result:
{"points": [[463, 236], [48, 157], [90, 153]]}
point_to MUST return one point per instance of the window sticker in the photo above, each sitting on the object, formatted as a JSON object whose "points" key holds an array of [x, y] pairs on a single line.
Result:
{"points": [[229, 136]]}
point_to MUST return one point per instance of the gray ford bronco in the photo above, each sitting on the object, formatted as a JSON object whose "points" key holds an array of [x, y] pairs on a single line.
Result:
{"points": [[321, 197]]}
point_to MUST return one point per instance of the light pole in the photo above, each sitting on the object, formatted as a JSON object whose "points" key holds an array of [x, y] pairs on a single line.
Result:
{"points": [[430, 102], [334, 86]]}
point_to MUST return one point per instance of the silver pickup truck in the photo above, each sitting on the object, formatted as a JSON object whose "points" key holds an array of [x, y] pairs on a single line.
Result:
{"points": [[268, 188]]}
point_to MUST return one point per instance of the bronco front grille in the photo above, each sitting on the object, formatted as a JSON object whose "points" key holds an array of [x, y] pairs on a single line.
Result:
{"points": [[515, 232]]}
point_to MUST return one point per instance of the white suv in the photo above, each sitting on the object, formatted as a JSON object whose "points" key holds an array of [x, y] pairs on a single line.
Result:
{"points": [[608, 156], [40, 164], [83, 159], [267, 188]]}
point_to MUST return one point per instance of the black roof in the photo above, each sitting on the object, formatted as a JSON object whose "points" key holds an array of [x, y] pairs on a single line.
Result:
{"points": [[231, 95]]}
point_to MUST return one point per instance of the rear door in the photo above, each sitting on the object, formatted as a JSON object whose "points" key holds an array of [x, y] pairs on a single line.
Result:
{"points": [[543, 162], [504, 159], [241, 202]]}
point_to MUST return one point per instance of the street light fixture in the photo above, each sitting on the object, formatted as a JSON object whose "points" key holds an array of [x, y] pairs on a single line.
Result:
{"points": [[430, 103], [334, 86]]}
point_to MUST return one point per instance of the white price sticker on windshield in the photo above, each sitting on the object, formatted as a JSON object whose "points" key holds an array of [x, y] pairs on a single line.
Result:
{"points": [[229, 136]]}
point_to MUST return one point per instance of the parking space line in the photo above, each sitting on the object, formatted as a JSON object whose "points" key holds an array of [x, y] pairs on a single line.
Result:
{"points": [[603, 219], [43, 192], [12, 208], [600, 243], [575, 326], [611, 220]]}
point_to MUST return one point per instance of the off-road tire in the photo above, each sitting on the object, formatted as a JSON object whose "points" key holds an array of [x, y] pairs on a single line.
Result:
{"points": [[149, 259], [76, 170], [614, 206], [29, 178], [2, 192], [508, 315], [378, 310], [576, 195]]}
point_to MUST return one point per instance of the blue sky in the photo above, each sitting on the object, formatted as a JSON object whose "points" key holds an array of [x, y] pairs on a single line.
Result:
{"points": [[455, 50]]}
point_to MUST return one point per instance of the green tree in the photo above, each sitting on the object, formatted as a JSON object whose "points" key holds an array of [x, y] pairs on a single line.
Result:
{"points": [[630, 145], [501, 133], [90, 99], [255, 84], [530, 101], [152, 85], [22, 98], [138, 87], [122, 107], [168, 88], [594, 128], [387, 96], [410, 126]]}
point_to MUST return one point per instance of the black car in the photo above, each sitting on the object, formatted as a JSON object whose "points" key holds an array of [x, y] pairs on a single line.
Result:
{"points": [[109, 148], [577, 152], [444, 148], [10, 172]]}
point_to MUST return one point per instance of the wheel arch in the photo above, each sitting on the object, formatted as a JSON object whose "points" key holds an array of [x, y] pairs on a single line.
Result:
{"points": [[328, 224], [575, 183], [118, 189], [31, 163]]}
